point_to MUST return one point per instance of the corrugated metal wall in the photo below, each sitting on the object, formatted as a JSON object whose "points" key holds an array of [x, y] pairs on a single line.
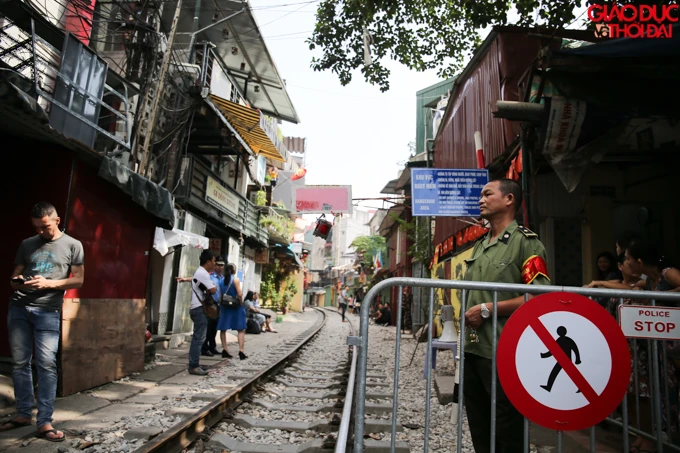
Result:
{"points": [[470, 112], [494, 78]]}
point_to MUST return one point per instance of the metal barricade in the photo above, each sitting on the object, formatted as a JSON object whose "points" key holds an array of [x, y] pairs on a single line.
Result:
{"points": [[660, 411]]}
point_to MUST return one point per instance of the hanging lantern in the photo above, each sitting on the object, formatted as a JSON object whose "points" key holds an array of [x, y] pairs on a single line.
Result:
{"points": [[299, 174], [323, 227]]}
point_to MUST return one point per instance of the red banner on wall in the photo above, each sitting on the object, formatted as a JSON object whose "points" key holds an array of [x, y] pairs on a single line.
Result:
{"points": [[457, 243]]}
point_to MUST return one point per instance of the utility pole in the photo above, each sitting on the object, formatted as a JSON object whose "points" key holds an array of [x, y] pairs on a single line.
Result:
{"points": [[159, 92]]}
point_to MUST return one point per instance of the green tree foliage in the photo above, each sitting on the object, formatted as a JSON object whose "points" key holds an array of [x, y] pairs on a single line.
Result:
{"points": [[420, 34], [273, 291], [368, 247]]}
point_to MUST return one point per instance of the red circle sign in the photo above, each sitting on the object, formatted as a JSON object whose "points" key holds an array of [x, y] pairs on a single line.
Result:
{"points": [[586, 384]]}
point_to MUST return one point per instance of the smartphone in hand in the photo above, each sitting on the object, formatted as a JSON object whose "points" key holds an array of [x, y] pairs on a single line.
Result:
{"points": [[18, 280]]}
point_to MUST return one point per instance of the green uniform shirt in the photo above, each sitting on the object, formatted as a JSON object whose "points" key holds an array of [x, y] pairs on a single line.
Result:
{"points": [[499, 262]]}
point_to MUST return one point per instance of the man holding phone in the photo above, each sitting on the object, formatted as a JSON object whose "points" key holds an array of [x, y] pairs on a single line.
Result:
{"points": [[46, 265]]}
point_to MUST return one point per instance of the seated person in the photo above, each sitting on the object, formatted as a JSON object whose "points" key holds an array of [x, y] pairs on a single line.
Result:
{"points": [[374, 309], [383, 315], [252, 304]]}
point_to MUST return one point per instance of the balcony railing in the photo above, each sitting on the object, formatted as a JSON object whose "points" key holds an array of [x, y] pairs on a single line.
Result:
{"points": [[82, 97], [227, 206]]}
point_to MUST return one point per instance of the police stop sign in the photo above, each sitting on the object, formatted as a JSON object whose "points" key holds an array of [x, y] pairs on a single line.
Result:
{"points": [[563, 361], [645, 321]]}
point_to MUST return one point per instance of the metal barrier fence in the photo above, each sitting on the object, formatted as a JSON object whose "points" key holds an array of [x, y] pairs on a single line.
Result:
{"points": [[660, 436]]}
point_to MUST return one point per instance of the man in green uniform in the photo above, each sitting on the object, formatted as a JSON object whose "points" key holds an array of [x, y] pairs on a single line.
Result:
{"points": [[509, 253]]}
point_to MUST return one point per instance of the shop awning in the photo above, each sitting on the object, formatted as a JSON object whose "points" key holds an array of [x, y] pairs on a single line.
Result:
{"points": [[165, 239], [288, 253], [242, 49], [390, 219], [250, 124], [154, 198], [390, 188], [603, 97]]}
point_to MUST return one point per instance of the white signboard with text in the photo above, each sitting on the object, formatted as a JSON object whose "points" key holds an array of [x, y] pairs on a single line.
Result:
{"points": [[220, 197], [646, 321]]}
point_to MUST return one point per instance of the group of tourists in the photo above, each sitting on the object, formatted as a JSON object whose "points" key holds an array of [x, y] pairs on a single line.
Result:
{"points": [[233, 311]]}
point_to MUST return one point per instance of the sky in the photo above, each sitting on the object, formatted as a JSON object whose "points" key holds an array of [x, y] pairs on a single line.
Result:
{"points": [[355, 134]]}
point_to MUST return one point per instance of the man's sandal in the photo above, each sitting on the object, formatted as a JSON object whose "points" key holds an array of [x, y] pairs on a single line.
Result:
{"points": [[43, 435], [14, 425]]}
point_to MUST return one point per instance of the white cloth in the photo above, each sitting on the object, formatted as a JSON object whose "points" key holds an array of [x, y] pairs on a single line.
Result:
{"points": [[164, 239], [203, 277]]}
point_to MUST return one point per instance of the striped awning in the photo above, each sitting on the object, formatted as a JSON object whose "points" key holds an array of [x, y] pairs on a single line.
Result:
{"points": [[249, 124]]}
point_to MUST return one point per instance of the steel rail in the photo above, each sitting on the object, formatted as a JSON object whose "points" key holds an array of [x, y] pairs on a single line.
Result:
{"points": [[343, 431], [183, 434]]}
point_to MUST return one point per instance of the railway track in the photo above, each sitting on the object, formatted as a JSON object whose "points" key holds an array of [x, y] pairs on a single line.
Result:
{"points": [[297, 404]]}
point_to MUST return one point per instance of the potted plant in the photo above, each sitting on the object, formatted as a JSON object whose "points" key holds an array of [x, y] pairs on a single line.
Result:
{"points": [[278, 226], [285, 302], [261, 199]]}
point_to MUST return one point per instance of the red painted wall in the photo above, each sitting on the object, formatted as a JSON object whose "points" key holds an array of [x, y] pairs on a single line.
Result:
{"points": [[79, 19], [117, 237], [116, 233]]}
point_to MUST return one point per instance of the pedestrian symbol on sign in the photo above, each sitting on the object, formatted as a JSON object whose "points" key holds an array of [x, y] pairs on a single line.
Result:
{"points": [[584, 385], [567, 345]]}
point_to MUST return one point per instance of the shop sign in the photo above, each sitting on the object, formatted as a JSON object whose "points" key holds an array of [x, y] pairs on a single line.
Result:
{"points": [[216, 245], [220, 197], [323, 199], [261, 256]]}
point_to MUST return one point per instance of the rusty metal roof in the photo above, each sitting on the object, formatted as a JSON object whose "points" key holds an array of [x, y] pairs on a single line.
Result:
{"points": [[295, 144]]}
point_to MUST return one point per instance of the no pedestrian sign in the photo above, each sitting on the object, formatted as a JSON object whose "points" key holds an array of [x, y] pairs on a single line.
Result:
{"points": [[563, 361]]}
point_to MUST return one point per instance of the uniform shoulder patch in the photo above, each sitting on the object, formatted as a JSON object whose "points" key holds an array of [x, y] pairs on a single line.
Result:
{"points": [[526, 231]]}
